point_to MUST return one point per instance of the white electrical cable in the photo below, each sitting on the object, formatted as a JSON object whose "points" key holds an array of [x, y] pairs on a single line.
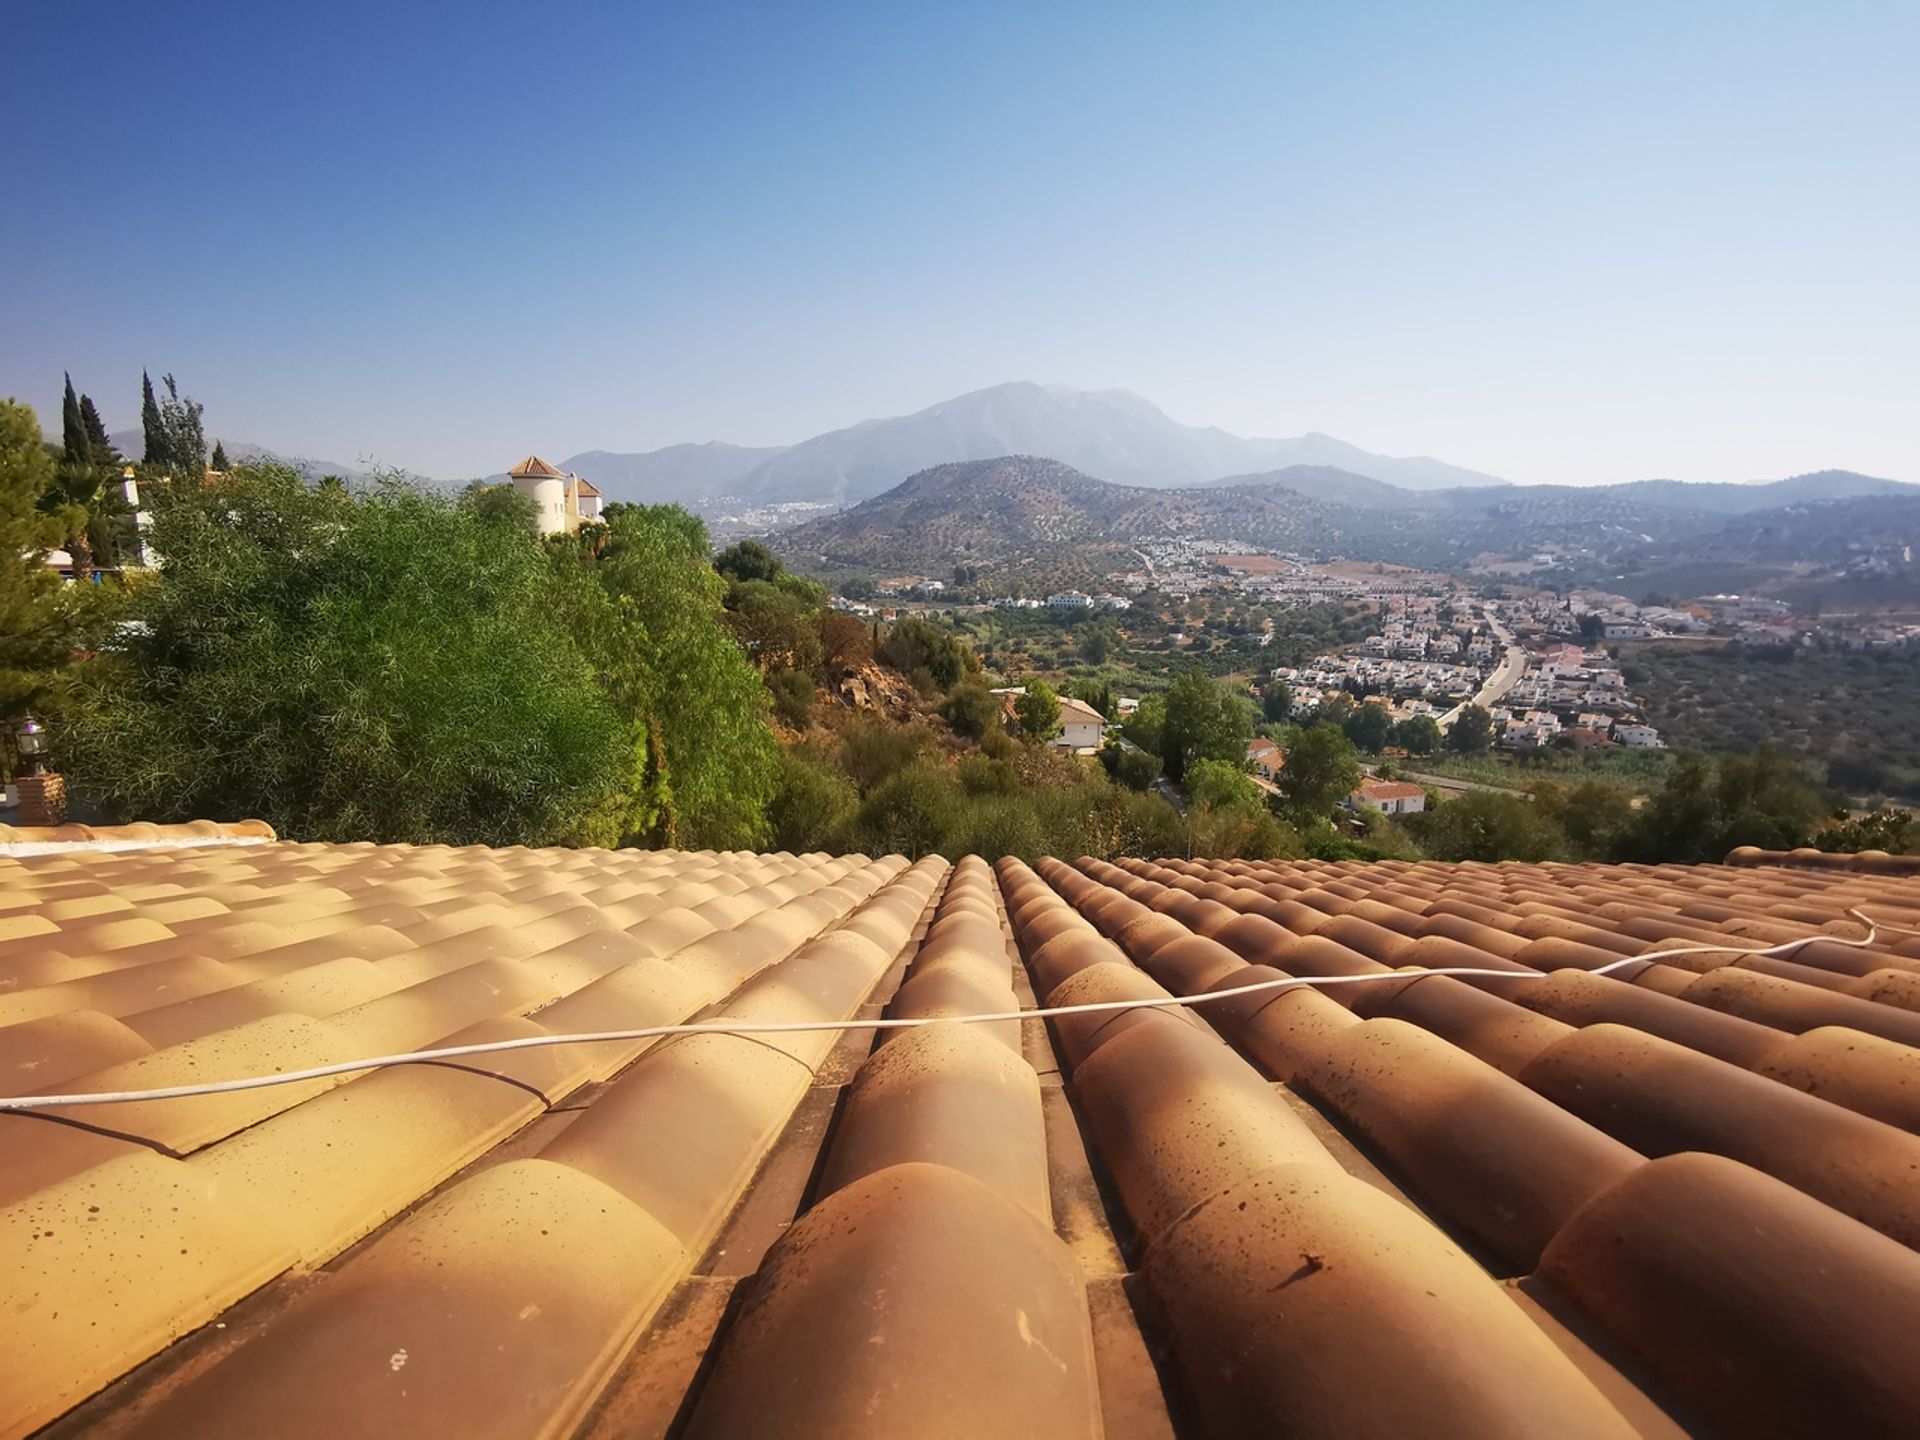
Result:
{"points": [[803, 1027]]}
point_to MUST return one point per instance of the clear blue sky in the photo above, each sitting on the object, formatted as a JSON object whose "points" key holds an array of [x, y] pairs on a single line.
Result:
{"points": [[1553, 241]]}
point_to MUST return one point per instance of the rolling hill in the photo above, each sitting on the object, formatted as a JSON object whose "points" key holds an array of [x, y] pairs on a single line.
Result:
{"points": [[1024, 513]]}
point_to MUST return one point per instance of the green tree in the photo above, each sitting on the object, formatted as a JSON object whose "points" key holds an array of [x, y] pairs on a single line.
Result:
{"points": [[104, 453], [1472, 731], [219, 461], [1146, 727], [73, 428], [182, 441], [915, 643], [37, 622], [1098, 641], [970, 710], [778, 628], [1218, 783], [859, 587], [1417, 735], [1593, 815], [1038, 711], [84, 494], [347, 668], [1135, 769], [1276, 702], [1322, 769], [152, 428], [748, 560], [1489, 825], [1205, 721], [1706, 809], [1096, 694], [501, 505], [1369, 726], [654, 628]]}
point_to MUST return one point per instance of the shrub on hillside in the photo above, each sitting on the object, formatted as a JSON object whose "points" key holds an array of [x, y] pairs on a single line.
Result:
{"points": [[792, 692]]}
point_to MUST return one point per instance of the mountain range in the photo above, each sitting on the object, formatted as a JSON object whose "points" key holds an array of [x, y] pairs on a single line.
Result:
{"points": [[1025, 513], [1110, 435]]}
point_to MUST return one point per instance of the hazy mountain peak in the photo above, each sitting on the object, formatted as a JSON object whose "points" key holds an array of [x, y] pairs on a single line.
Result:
{"points": [[1111, 435]]}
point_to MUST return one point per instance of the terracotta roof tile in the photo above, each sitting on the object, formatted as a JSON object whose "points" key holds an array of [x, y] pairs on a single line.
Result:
{"points": [[1695, 1174]]}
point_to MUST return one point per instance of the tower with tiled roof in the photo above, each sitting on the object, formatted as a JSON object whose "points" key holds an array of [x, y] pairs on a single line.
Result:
{"points": [[546, 486]]}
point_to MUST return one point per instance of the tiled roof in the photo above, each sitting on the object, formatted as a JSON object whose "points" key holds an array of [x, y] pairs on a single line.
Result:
{"points": [[1078, 711], [1872, 862], [1373, 789], [534, 468], [17, 838], [1677, 1199]]}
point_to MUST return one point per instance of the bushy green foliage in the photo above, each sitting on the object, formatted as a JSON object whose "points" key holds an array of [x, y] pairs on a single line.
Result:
{"points": [[647, 608], [503, 505], [749, 560], [1276, 702], [1204, 721], [384, 667], [37, 620], [914, 644], [1218, 783], [1321, 771], [872, 750], [1038, 711], [1417, 735], [1883, 828], [793, 695], [1369, 726], [1472, 731], [1708, 808], [970, 710], [1135, 769], [1851, 710], [813, 805], [983, 775], [1146, 727], [1488, 825]]}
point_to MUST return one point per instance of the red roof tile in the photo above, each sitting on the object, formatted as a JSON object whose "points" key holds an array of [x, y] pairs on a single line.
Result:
{"points": [[1545, 1200]]}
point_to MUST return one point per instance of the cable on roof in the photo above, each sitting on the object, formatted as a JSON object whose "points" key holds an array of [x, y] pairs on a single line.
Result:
{"points": [[802, 1027]]}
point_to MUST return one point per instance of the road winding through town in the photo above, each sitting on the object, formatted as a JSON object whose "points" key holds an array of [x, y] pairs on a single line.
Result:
{"points": [[1513, 664]]}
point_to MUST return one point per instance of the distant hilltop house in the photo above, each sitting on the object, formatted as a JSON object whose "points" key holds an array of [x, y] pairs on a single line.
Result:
{"points": [[1266, 758], [565, 501], [1389, 797], [1081, 726]]}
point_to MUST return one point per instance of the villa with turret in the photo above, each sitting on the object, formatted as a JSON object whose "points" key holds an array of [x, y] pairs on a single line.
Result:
{"points": [[565, 500]]}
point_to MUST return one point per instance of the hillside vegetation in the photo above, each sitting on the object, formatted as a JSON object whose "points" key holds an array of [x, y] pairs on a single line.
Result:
{"points": [[1020, 514], [1850, 711]]}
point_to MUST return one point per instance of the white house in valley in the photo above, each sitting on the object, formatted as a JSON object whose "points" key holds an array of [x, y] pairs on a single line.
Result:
{"points": [[1389, 797]]}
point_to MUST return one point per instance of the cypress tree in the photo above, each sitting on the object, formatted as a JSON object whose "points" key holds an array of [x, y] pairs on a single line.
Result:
{"points": [[219, 462], [186, 442], [104, 453], [154, 431], [73, 429]]}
